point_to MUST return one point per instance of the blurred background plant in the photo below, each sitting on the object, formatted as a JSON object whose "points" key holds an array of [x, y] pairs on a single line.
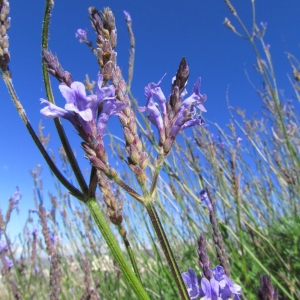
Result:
{"points": [[252, 170]]}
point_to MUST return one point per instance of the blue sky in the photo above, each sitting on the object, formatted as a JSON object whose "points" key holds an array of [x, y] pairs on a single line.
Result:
{"points": [[165, 31]]}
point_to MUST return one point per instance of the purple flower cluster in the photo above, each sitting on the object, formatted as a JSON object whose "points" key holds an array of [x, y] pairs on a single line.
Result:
{"points": [[81, 110], [219, 287], [186, 115]]}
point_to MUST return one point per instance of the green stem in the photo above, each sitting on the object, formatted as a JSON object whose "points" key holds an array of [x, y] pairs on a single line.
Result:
{"points": [[167, 250], [124, 186], [115, 249], [132, 258], [71, 157], [157, 170]]}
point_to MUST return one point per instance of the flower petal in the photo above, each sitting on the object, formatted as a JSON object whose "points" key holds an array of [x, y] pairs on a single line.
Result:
{"points": [[157, 92], [51, 111], [112, 107]]}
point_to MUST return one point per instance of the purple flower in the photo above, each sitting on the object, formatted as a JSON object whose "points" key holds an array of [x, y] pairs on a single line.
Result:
{"points": [[155, 90], [81, 35], [220, 287], [80, 109], [227, 287], [127, 16], [111, 108], [193, 283], [195, 99], [151, 108], [210, 288], [186, 116]]}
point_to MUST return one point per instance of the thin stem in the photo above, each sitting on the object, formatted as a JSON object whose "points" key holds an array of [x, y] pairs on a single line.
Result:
{"points": [[127, 188], [274, 91], [131, 58], [132, 258], [157, 170], [74, 191], [14, 261], [167, 250], [261, 265], [115, 249], [65, 142]]}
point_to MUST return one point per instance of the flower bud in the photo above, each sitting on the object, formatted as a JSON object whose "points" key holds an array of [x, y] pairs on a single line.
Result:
{"points": [[132, 126], [134, 155], [138, 144], [101, 153], [98, 164], [128, 136], [87, 149], [140, 175], [123, 119], [113, 38], [144, 159], [112, 173]]}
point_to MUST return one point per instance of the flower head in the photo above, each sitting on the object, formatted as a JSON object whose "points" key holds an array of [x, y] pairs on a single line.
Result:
{"points": [[227, 287], [219, 287], [127, 16], [193, 283], [210, 288], [186, 114], [80, 109], [111, 108], [81, 35]]}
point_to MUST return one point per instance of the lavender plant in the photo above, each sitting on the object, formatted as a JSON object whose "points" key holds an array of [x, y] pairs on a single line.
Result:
{"points": [[243, 215]]}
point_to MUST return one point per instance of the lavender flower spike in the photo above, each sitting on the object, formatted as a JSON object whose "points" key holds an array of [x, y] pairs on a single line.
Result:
{"points": [[187, 111], [127, 16], [81, 35], [182, 117]]}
